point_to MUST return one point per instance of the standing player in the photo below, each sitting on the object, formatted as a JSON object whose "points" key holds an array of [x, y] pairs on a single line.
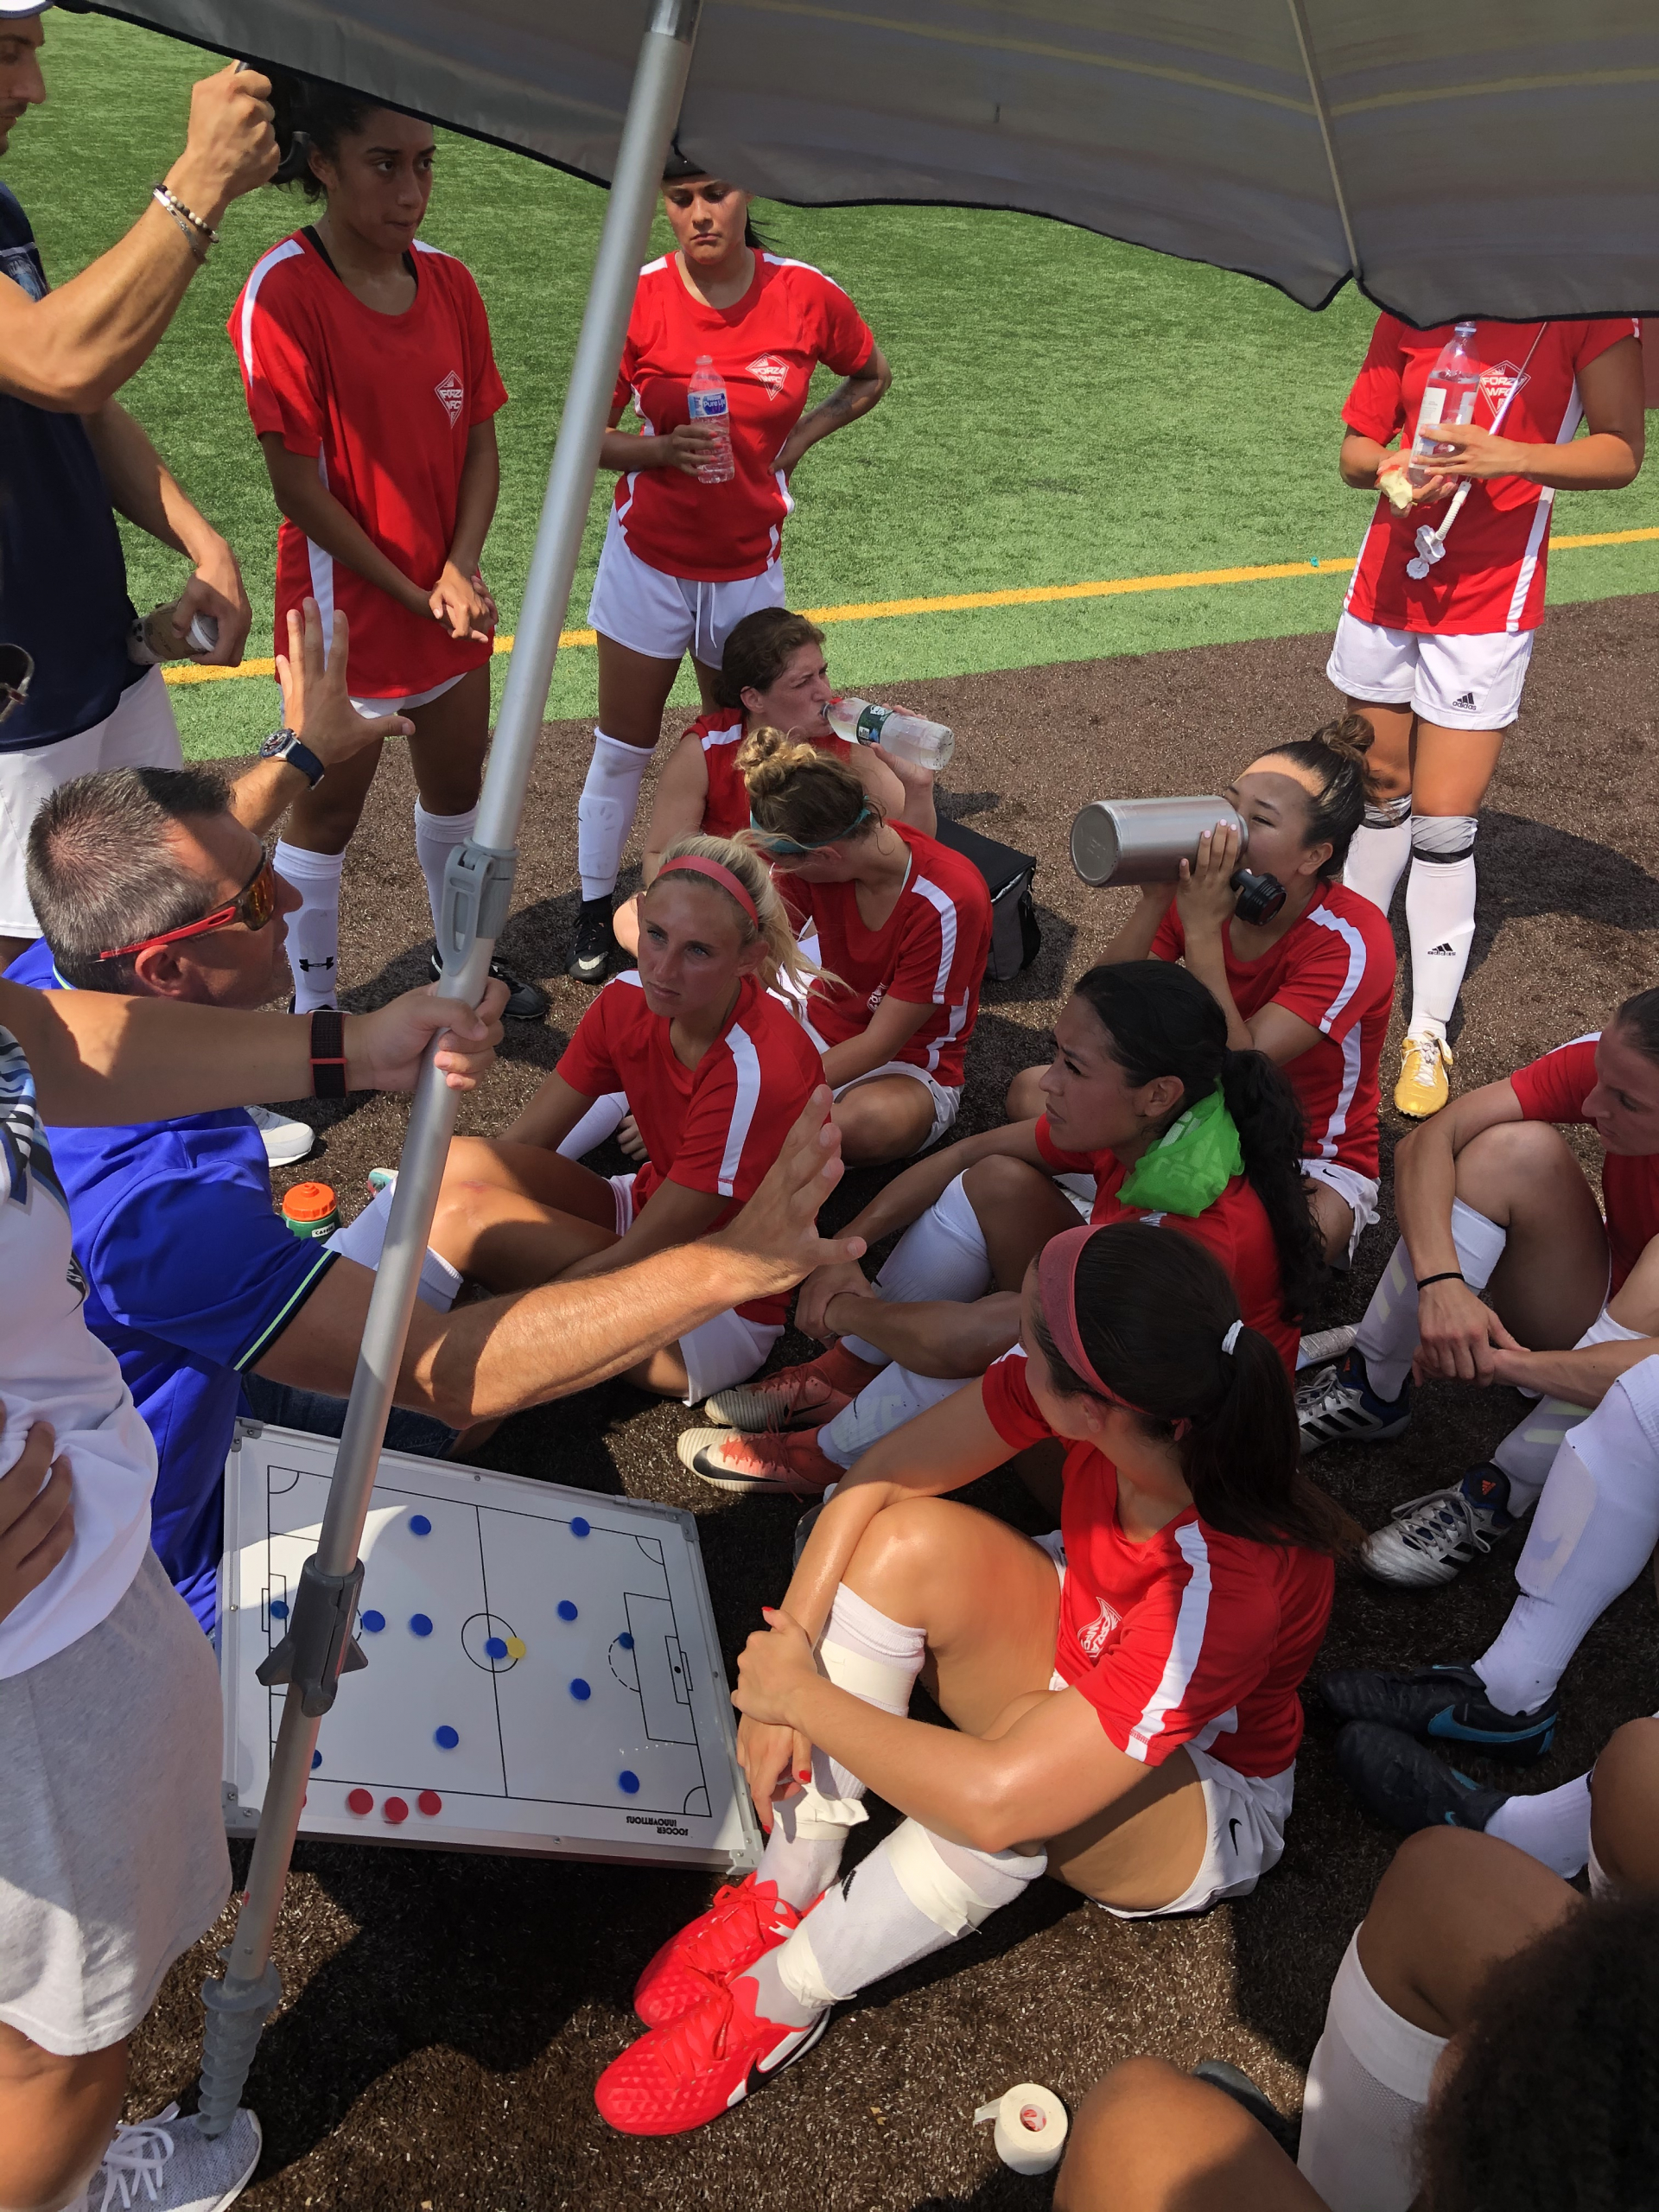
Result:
{"points": [[1437, 662], [365, 355], [685, 559]]}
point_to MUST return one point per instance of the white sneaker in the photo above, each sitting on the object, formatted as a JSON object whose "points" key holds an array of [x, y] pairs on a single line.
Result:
{"points": [[1429, 1539], [285, 1140], [168, 2165]]}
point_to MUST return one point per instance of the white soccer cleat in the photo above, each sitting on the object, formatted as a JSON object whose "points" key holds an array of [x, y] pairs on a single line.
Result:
{"points": [[1430, 1539], [285, 1140], [167, 2164]]}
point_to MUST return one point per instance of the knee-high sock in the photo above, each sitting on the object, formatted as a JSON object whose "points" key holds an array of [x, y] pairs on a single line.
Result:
{"points": [[605, 812], [603, 1119], [1439, 915], [314, 931], [1388, 1336], [1382, 846], [1527, 1453], [1367, 2089], [941, 1256], [894, 1397], [1554, 1826], [436, 836], [1594, 1531], [914, 1894], [876, 1659]]}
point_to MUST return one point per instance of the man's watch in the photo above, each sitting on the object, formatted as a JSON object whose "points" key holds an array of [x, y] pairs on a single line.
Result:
{"points": [[283, 745]]}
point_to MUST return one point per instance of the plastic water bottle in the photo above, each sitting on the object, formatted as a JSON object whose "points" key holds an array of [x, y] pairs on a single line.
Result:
{"points": [[909, 737], [706, 403], [1449, 395]]}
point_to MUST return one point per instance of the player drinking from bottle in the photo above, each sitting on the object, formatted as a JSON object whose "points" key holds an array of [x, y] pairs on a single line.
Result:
{"points": [[693, 542], [1434, 651], [365, 356]]}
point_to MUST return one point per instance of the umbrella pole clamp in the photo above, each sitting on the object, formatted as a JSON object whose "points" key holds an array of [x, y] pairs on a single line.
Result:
{"points": [[319, 1646], [477, 893]]}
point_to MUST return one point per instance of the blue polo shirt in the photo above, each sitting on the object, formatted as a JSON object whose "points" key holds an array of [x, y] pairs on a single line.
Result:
{"points": [[191, 1277], [63, 576]]}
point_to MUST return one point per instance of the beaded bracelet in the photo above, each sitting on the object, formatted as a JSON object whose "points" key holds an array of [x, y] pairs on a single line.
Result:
{"points": [[198, 251], [165, 197]]}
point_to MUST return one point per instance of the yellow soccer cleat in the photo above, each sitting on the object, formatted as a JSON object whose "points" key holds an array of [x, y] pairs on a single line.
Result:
{"points": [[1422, 1088]]}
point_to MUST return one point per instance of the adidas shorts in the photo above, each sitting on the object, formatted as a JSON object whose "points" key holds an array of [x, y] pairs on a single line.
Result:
{"points": [[1464, 683], [717, 1353], [1245, 1817], [666, 616]]}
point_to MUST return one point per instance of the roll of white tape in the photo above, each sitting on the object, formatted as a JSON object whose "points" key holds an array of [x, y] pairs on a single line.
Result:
{"points": [[1030, 2127]]}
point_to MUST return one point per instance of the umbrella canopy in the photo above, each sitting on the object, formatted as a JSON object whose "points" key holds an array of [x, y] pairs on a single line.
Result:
{"points": [[1497, 158]]}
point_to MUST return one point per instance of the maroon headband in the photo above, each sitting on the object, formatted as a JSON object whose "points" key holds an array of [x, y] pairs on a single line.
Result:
{"points": [[717, 872], [1057, 1288]]}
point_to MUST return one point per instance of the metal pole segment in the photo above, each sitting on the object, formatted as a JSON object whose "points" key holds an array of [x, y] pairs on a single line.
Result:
{"points": [[477, 892], [1316, 87]]}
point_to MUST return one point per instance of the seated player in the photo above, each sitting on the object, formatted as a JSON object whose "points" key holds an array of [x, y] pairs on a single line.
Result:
{"points": [[903, 925], [1491, 1198], [1491, 2040], [715, 1068], [1593, 1533], [1313, 987], [1146, 1114], [1124, 1694], [772, 676]]}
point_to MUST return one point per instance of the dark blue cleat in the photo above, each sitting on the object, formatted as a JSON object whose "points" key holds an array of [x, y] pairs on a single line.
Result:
{"points": [[1394, 1778], [1447, 1705], [1337, 1404]]}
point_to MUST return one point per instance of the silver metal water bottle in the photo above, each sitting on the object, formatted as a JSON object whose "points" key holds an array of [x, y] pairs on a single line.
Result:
{"points": [[1116, 841]]}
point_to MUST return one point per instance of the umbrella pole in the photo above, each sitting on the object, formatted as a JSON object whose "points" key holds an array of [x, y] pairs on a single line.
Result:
{"points": [[320, 1646]]}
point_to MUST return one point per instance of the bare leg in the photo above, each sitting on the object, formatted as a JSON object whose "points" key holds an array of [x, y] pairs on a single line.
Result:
{"points": [[452, 736], [1149, 2138], [1025, 1100], [1019, 1208], [323, 820], [624, 925], [1333, 1218], [884, 1117], [1552, 1280], [634, 691], [1390, 758], [939, 1336], [56, 2118], [1625, 1808]]}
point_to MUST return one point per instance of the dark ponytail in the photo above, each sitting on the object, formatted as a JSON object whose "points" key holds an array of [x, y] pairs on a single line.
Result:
{"points": [[1161, 1019], [1335, 757], [1153, 1312]]}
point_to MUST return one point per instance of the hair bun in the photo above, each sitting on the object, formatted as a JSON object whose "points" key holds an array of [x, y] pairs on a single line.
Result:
{"points": [[767, 757], [1350, 735]]}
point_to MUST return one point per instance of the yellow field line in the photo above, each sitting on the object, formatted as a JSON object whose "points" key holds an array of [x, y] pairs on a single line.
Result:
{"points": [[962, 602]]}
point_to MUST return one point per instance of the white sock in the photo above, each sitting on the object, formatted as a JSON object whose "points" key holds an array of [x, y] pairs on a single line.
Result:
{"points": [[914, 1894], [1382, 846], [314, 931], [896, 1395], [603, 1119], [436, 836], [363, 1240], [1439, 916], [941, 1256], [1527, 1453], [1593, 1534], [605, 812], [1388, 1336], [1367, 2090], [1552, 1827], [874, 1658]]}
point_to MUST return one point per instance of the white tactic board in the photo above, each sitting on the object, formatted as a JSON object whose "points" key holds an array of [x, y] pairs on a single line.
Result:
{"points": [[544, 1672]]}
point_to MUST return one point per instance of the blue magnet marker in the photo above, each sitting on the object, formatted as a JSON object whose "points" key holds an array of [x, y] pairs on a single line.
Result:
{"points": [[629, 1781], [420, 1624], [581, 1691], [567, 1610], [446, 1738], [373, 1621], [279, 1609], [579, 1527], [419, 1525], [494, 1648]]}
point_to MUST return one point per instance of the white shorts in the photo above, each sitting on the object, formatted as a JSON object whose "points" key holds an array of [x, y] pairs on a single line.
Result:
{"points": [[666, 616], [1466, 683], [717, 1353], [1245, 1814], [947, 1102], [372, 709], [140, 734], [1358, 1190]]}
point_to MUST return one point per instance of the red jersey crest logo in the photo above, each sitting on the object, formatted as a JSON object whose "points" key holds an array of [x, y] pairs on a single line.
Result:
{"points": [[453, 393], [1496, 384], [1098, 1634], [768, 370]]}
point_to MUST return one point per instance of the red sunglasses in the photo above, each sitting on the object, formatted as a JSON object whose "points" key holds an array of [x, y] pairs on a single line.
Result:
{"points": [[253, 906]]}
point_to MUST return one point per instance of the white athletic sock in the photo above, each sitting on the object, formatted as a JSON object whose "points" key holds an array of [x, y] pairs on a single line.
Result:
{"points": [[1388, 1336], [894, 1397], [363, 1240], [874, 1658], [314, 931], [1439, 916], [436, 836], [1382, 846], [1553, 1827], [914, 1894], [1367, 2089], [1527, 1453], [1593, 1532], [603, 1119], [941, 1256], [605, 812]]}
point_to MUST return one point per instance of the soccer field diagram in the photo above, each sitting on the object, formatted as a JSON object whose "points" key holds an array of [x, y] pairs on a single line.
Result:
{"points": [[544, 1675]]}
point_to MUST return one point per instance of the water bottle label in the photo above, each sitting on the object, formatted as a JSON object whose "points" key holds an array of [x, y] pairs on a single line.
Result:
{"points": [[703, 406], [870, 725], [1434, 406]]}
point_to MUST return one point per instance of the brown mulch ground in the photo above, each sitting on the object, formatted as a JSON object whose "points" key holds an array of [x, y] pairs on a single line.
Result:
{"points": [[446, 2015]]}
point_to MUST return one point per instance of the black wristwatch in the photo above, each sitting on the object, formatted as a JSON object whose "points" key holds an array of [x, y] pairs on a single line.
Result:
{"points": [[283, 745]]}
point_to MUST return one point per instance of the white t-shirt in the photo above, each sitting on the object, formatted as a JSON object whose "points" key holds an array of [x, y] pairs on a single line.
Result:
{"points": [[52, 1368]]}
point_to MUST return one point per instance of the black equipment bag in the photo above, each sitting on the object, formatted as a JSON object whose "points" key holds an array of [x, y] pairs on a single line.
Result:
{"points": [[1015, 939]]}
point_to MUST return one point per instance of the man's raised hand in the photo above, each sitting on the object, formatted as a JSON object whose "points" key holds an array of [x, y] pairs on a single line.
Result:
{"points": [[776, 1236], [316, 705]]}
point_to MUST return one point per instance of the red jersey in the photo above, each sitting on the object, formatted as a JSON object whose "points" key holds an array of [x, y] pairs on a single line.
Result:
{"points": [[717, 1127], [1334, 969], [766, 347], [1191, 1637], [720, 733], [930, 951], [1492, 576], [384, 403], [1235, 1227], [1554, 1089]]}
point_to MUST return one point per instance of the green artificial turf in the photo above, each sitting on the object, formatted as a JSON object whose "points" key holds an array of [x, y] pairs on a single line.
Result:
{"points": [[1064, 408]]}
